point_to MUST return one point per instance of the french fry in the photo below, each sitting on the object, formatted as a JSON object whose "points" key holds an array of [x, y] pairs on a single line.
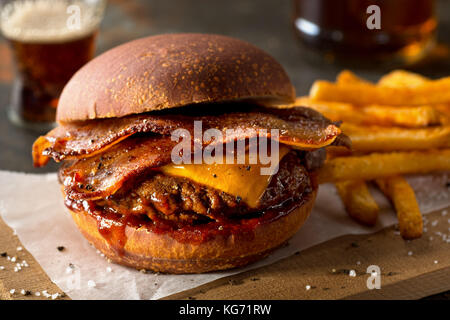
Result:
{"points": [[405, 116], [348, 77], [402, 78], [335, 111], [402, 196], [431, 92], [379, 165], [358, 201], [444, 110], [376, 138]]}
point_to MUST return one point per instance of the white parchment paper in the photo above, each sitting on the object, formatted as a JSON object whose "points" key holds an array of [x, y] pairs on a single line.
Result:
{"points": [[33, 206]]}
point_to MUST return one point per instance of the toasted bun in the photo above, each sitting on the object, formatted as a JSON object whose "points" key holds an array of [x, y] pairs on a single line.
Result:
{"points": [[172, 70], [162, 253]]}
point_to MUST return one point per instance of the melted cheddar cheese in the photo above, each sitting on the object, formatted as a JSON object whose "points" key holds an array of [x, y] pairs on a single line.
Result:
{"points": [[240, 180]]}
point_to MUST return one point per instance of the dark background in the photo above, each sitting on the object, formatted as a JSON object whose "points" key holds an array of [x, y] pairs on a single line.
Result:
{"points": [[265, 23]]}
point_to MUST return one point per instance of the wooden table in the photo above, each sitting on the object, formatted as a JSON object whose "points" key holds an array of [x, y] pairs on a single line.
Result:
{"points": [[266, 23]]}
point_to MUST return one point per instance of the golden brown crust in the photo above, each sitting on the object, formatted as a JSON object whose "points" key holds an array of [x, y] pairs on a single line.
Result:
{"points": [[167, 71], [162, 253]]}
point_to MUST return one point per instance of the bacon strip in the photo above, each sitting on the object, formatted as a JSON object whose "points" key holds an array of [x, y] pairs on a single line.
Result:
{"points": [[303, 128], [103, 174]]}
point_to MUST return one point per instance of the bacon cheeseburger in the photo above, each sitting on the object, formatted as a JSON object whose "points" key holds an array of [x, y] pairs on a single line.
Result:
{"points": [[130, 143]]}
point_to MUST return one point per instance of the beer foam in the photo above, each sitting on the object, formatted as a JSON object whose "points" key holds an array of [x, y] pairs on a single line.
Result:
{"points": [[48, 20]]}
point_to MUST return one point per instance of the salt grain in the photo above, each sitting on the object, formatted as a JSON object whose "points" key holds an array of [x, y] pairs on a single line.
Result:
{"points": [[19, 248], [12, 291], [352, 273], [108, 269], [91, 284], [37, 294], [436, 262], [308, 287], [410, 253]]}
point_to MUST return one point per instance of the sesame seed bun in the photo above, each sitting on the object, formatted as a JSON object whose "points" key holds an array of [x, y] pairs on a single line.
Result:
{"points": [[172, 70]]}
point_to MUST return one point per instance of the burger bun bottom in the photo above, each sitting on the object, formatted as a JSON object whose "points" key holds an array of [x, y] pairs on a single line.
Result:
{"points": [[160, 252]]}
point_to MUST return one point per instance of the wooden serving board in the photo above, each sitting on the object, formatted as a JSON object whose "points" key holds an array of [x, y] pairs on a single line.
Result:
{"points": [[325, 268]]}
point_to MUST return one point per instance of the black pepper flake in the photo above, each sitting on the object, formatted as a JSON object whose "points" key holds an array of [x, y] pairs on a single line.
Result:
{"points": [[390, 274], [235, 282], [254, 279], [3, 254], [100, 165], [214, 175], [27, 293], [248, 168], [325, 289], [346, 271], [355, 245], [297, 253], [89, 187], [81, 186], [238, 199], [61, 248], [341, 271], [191, 298], [62, 295], [447, 184]]}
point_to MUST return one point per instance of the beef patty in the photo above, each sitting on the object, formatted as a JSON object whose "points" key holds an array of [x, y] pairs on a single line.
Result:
{"points": [[181, 200]]}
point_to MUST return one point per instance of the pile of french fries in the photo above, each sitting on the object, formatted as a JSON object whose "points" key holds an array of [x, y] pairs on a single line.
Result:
{"points": [[398, 126]]}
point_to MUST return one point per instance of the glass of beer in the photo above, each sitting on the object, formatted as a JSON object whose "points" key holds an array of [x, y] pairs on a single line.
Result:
{"points": [[400, 32], [50, 40]]}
